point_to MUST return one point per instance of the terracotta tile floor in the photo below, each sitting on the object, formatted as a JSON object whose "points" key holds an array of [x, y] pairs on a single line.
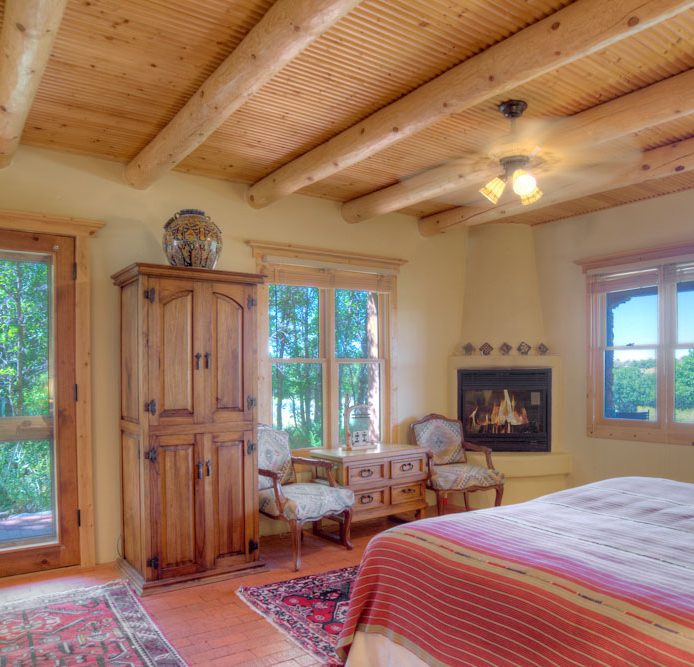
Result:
{"points": [[208, 624]]}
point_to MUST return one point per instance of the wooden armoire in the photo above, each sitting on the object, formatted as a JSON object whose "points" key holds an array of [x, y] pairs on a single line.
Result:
{"points": [[188, 417]]}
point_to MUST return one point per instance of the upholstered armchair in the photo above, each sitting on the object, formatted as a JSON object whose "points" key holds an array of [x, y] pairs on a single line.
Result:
{"points": [[282, 497], [448, 466]]}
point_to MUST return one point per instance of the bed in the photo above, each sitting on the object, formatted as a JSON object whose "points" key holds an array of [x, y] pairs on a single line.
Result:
{"points": [[602, 574]]}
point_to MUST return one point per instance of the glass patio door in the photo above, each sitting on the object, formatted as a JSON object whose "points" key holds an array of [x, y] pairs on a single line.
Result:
{"points": [[38, 463]]}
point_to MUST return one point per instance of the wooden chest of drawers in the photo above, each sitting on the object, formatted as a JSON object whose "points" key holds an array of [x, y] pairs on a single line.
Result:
{"points": [[386, 479]]}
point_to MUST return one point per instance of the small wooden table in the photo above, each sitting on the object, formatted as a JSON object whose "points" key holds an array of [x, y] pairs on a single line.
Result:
{"points": [[386, 479]]}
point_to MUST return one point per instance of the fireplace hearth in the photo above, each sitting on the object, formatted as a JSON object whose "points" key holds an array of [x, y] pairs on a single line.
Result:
{"points": [[507, 410]]}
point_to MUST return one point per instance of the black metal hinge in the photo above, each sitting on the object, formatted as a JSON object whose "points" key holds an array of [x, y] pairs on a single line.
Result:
{"points": [[252, 545], [75, 393], [250, 447], [79, 518], [74, 270], [150, 294], [251, 402], [151, 455], [153, 563], [251, 301], [151, 407]]}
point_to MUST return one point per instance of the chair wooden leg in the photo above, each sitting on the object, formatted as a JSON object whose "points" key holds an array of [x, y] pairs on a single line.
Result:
{"points": [[295, 528], [441, 502], [499, 495], [466, 500], [417, 515], [345, 526]]}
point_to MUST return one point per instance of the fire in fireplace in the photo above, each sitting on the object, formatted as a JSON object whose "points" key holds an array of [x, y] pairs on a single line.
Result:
{"points": [[506, 409]]}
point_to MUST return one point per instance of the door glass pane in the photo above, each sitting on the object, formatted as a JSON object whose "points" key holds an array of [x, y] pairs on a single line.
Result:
{"points": [[630, 384], [632, 317], [685, 312], [360, 384], [27, 470], [297, 402], [684, 385], [294, 322], [356, 324]]}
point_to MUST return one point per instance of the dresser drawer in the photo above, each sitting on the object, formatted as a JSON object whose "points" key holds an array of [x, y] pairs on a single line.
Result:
{"points": [[370, 499], [408, 467], [365, 473], [405, 493]]}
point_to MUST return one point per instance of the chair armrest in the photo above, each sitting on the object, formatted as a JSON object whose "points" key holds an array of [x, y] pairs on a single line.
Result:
{"points": [[312, 462], [480, 448], [317, 463], [279, 496]]}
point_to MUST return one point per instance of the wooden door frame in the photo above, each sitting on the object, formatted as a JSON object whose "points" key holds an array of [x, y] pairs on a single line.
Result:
{"points": [[81, 230]]}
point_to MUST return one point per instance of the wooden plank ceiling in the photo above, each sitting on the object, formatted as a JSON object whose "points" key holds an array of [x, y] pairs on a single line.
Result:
{"points": [[121, 69]]}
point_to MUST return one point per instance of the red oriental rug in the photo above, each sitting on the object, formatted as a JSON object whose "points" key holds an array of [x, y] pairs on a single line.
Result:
{"points": [[102, 625], [311, 610]]}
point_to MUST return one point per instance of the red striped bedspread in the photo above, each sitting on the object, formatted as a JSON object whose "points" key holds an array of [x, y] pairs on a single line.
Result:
{"points": [[602, 574]]}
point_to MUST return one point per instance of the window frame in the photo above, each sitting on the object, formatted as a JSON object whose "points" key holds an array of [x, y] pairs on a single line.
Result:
{"points": [[328, 271], [655, 267]]}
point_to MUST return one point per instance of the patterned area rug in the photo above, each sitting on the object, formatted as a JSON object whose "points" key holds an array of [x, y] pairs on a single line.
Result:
{"points": [[311, 610], [103, 625]]}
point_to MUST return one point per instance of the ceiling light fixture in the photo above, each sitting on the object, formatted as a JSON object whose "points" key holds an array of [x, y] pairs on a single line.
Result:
{"points": [[514, 166]]}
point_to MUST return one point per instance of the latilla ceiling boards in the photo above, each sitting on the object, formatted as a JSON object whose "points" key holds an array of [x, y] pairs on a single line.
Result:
{"points": [[121, 69]]}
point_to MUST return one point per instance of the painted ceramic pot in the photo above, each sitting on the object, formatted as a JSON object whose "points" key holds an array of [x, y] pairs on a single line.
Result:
{"points": [[192, 239]]}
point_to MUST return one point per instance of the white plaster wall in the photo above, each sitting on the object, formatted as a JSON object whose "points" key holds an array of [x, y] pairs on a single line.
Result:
{"points": [[429, 289], [651, 223]]}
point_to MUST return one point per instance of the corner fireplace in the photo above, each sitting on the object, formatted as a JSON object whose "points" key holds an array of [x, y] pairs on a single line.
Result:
{"points": [[507, 410]]}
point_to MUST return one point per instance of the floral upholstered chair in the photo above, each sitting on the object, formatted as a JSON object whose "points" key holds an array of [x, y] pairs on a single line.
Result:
{"points": [[282, 497], [448, 466]]}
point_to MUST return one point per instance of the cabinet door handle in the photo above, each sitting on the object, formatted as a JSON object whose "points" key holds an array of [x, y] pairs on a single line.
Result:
{"points": [[208, 356], [409, 490], [209, 467], [197, 361], [366, 472], [366, 499], [406, 467], [199, 466]]}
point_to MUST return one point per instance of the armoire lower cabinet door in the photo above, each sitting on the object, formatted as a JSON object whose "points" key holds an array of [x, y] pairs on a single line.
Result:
{"points": [[230, 498], [176, 474]]}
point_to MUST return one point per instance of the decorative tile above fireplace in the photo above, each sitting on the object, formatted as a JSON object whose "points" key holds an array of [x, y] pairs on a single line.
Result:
{"points": [[506, 409]]}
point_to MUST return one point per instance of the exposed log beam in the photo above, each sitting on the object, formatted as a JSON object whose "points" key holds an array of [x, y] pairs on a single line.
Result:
{"points": [[29, 28], [582, 28], [287, 28], [659, 103], [658, 163], [429, 184]]}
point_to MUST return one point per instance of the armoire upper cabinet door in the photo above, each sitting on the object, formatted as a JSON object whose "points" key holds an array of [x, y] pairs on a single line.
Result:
{"points": [[172, 309], [230, 353]]}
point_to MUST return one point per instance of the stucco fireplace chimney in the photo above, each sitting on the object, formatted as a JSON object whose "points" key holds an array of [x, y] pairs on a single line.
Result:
{"points": [[501, 296]]}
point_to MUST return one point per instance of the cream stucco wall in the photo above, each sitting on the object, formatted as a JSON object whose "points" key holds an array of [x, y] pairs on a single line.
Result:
{"points": [[429, 289], [656, 222]]}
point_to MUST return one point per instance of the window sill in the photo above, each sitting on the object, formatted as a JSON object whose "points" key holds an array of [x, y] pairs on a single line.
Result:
{"points": [[627, 432]]}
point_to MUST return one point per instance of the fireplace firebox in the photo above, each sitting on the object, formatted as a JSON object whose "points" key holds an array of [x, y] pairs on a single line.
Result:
{"points": [[507, 410]]}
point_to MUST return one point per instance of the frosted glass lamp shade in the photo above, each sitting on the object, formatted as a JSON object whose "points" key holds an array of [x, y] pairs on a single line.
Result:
{"points": [[494, 189]]}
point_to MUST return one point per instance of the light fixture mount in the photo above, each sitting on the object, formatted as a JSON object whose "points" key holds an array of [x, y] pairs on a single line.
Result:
{"points": [[513, 108]]}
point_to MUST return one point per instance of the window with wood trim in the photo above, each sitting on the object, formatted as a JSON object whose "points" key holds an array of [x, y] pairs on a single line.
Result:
{"points": [[327, 337], [641, 355]]}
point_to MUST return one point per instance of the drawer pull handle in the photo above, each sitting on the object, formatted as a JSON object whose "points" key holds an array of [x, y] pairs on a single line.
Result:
{"points": [[366, 499], [410, 490], [366, 472], [406, 467]]}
